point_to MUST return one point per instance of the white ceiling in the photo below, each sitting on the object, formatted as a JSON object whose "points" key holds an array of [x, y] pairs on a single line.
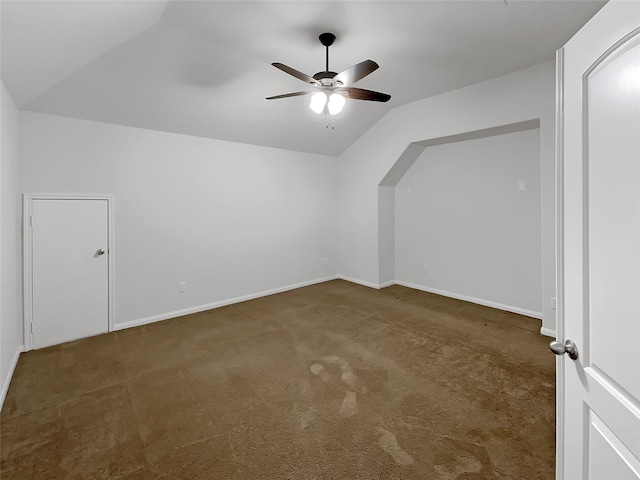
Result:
{"points": [[203, 67]]}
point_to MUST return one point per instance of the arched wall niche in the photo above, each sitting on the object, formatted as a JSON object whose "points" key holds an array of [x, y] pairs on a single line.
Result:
{"points": [[385, 151], [387, 210]]}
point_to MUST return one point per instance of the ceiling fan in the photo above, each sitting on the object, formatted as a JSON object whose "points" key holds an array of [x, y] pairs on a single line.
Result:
{"points": [[331, 87]]}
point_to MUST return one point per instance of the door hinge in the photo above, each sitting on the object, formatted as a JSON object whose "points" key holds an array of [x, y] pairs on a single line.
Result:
{"points": [[31, 327], [31, 220]]}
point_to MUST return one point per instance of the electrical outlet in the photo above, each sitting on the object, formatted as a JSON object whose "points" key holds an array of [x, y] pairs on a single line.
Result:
{"points": [[425, 268], [324, 261], [182, 287], [553, 303]]}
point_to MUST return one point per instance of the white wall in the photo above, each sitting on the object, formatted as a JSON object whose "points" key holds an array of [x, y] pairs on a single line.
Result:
{"points": [[10, 245], [386, 233], [459, 211], [234, 220], [230, 219], [521, 96]]}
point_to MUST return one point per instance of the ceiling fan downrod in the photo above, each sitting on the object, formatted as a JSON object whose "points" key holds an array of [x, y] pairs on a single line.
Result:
{"points": [[327, 40]]}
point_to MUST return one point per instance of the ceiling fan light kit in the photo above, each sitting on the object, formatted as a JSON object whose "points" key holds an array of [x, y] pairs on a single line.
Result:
{"points": [[321, 103], [335, 104], [331, 87]]}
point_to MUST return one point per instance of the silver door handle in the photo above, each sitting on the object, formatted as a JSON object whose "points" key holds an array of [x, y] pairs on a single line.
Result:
{"points": [[560, 348], [100, 252]]}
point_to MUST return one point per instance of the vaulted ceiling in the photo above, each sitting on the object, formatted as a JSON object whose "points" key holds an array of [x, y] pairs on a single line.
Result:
{"points": [[203, 67]]}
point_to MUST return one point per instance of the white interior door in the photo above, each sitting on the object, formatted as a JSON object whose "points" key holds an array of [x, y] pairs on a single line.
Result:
{"points": [[599, 392], [70, 274]]}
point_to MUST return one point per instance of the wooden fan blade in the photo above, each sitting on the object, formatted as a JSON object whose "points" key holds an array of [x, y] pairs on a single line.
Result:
{"points": [[286, 95], [352, 74], [292, 71], [362, 94]]}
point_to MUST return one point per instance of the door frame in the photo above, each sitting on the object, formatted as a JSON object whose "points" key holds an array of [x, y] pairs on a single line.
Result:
{"points": [[560, 404], [27, 264]]}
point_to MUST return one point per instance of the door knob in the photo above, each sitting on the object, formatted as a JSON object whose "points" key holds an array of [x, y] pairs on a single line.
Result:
{"points": [[560, 348], [100, 252]]}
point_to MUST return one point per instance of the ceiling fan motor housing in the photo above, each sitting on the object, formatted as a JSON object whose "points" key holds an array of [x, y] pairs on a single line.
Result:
{"points": [[326, 79]]}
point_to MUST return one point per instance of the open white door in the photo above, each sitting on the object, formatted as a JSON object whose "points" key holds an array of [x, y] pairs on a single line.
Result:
{"points": [[599, 135]]}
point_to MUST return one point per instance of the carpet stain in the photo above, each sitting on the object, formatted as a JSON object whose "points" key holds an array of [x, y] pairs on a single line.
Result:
{"points": [[319, 371], [307, 417], [347, 374], [349, 407], [389, 444], [463, 459], [349, 378], [334, 360], [464, 463]]}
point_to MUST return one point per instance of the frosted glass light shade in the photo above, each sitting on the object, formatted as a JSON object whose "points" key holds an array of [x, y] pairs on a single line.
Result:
{"points": [[336, 103], [318, 102]]}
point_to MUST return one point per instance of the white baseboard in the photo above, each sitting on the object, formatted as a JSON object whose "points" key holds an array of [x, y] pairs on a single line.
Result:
{"points": [[7, 380], [218, 304], [479, 301], [244, 298], [548, 332], [363, 282]]}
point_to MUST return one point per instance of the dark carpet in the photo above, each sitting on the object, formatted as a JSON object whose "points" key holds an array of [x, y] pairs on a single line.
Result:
{"points": [[332, 381]]}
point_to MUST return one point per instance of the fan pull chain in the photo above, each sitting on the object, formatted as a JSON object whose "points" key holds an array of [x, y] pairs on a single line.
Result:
{"points": [[333, 127]]}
